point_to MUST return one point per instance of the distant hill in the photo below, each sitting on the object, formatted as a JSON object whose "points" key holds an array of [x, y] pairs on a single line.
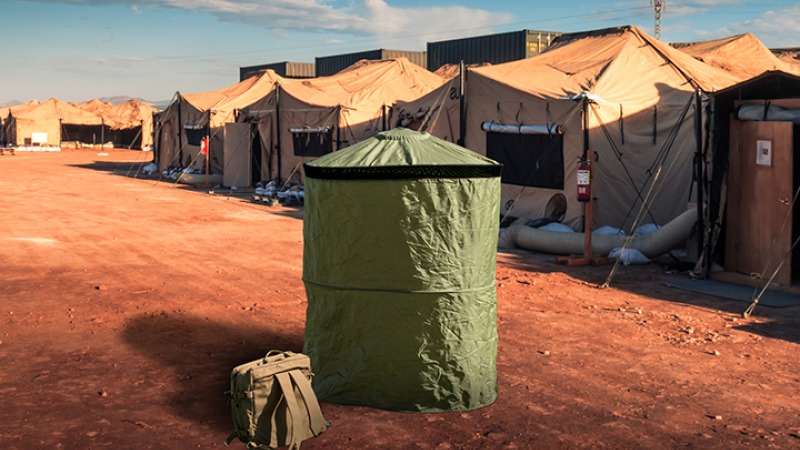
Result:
{"points": [[120, 99], [162, 104], [10, 104]]}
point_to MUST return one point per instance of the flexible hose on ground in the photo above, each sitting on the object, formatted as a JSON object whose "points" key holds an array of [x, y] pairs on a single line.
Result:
{"points": [[672, 235]]}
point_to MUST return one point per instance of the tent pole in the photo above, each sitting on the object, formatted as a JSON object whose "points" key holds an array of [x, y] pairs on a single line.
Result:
{"points": [[179, 127], [698, 135], [278, 127], [208, 145], [155, 138], [708, 239], [383, 114], [338, 127], [462, 107]]}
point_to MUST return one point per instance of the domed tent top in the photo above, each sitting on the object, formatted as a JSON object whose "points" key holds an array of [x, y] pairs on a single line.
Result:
{"points": [[402, 154]]}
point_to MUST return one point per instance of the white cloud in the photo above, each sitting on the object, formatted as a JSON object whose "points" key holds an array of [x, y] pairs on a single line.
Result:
{"points": [[690, 8], [366, 17], [774, 28], [709, 3], [427, 24]]}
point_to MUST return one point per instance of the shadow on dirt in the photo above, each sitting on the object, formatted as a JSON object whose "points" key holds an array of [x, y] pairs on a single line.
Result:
{"points": [[132, 169], [200, 353], [784, 330], [295, 212], [650, 280], [124, 168]]}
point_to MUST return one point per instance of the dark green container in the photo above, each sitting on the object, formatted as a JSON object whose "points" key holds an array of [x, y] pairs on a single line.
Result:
{"points": [[400, 239]]}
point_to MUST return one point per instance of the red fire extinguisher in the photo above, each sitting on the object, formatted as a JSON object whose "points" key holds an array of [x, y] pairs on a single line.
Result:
{"points": [[584, 181], [204, 145]]}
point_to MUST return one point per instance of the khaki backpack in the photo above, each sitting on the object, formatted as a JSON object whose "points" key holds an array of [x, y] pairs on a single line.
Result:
{"points": [[272, 402]]}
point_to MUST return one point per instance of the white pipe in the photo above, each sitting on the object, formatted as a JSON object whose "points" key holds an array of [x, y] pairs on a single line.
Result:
{"points": [[496, 127], [768, 113], [310, 130], [672, 235]]}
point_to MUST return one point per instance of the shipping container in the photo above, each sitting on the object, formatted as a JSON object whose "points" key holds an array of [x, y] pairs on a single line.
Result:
{"points": [[286, 69], [329, 65], [493, 48]]}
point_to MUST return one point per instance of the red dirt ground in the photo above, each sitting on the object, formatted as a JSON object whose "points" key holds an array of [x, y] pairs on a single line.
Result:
{"points": [[124, 304]]}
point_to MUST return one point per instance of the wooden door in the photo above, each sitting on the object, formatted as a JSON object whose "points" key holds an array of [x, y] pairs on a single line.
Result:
{"points": [[760, 189]]}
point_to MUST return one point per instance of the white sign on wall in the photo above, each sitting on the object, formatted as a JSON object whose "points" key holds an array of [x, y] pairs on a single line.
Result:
{"points": [[764, 153], [38, 138]]}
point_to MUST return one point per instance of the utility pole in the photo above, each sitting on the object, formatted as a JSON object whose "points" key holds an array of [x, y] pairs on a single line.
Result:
{"points": [[659, 6]]}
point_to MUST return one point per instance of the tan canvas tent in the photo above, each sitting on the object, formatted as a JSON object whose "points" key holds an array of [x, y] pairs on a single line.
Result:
{"points": [[54, 120], [96, 106], [743, 55], [189, 117], [640, 120], [790, 55], [642, 104], [127, 125], [304, 119], [437, 112], [450, 71], [7, 115], [132, 123]]}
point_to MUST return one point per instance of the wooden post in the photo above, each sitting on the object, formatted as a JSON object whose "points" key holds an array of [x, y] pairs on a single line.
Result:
{"points": [[587, 220], [179, 133], [208, 153], [279, 148], [587, 258], [208, 145]]}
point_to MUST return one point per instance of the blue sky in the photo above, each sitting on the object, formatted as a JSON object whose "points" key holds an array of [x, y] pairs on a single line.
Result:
{"points": [[76, 50]]}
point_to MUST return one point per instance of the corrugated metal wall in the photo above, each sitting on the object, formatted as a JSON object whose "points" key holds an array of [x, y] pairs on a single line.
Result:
{"points": [[418, 58], [329, 65], [494, 48], [286, 69]]}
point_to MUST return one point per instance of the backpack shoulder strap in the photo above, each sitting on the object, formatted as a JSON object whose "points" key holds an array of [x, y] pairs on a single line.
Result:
{"points": [[316, 420], [294, 410]]}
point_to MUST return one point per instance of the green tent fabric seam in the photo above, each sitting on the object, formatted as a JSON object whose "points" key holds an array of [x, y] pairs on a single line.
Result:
{"points": [[402, 172], [397, 291]]}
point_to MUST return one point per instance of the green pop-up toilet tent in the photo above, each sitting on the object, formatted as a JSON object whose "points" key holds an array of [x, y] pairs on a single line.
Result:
{"points": [[400, 239]]}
